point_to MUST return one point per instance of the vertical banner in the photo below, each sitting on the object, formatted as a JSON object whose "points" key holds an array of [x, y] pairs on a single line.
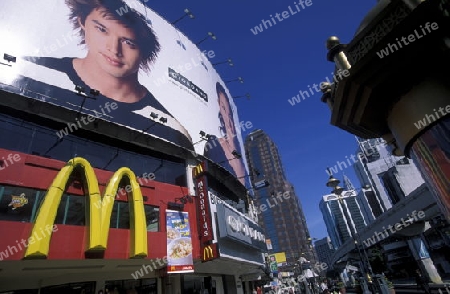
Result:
{"points": [[209, 250], [179, 242], [203, 209]]}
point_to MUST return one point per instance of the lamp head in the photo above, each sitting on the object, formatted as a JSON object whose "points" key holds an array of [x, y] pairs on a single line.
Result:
{"points": [[332, 41], [338, 190], [236, 154], [189, 13], [9, 58], [94, 92], [80, 89], [212, 35], [332, 182]]}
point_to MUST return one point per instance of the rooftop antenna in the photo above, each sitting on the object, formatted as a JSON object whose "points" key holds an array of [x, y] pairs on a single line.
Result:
{"points": [[348, 184]]}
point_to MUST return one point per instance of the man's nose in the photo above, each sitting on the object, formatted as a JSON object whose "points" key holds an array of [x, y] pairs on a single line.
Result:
{"points": [[114, 46]]}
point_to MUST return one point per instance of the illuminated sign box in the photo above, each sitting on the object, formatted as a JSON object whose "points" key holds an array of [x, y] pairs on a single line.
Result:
{"points": [[234, 226]]}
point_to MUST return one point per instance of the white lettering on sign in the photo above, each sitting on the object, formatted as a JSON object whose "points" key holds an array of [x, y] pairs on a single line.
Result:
{"points": [[241, 227], [203, 213]]}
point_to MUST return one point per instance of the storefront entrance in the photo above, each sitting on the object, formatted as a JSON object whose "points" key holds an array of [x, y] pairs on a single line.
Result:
{"points": [[199, 285]]}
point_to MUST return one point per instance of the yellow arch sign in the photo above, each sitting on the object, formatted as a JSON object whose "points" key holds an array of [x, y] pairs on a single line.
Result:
{"points": [[99, 216]]}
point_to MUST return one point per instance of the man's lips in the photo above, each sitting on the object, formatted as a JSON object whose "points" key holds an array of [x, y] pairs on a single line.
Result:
{"points": [[112, 61]]}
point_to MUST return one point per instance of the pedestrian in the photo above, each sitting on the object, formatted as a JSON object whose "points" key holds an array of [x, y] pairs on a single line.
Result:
{"points": [[324, 287], [254, 291], [258, 290], [422, 282]]}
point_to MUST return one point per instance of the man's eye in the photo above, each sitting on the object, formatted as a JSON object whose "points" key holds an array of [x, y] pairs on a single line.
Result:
{"points": [[101, 29], [130, 43]]}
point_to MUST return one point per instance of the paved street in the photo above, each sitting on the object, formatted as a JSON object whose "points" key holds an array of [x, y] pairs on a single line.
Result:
{"points": [[412, 288]]}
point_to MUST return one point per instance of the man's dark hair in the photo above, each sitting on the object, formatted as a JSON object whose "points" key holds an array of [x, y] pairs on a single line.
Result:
{"points": [[118, 10], [221, 89]]}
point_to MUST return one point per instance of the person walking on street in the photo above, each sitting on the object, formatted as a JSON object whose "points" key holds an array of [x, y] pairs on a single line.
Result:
{"points": [[324, 287]]}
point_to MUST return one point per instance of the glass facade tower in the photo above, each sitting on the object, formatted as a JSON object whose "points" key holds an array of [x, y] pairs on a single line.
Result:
{"points": [[279, 208]]}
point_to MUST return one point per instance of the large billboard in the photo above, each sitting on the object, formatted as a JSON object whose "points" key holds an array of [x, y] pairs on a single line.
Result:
{"points": [[123, 63]]}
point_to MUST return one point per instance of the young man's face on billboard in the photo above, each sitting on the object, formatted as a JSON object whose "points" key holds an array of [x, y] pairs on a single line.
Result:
{"points": [[227, 115], [111, 45]]}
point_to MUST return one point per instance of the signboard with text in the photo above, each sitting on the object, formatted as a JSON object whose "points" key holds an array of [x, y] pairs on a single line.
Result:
{"points": [[203, 209], [235, 226]]}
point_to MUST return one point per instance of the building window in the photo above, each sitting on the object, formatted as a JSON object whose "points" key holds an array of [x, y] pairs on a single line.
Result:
{"points": [[392, 187], [83, 287], [71, 211], [148, 286], [120, 216], [22, 204], [152, 214], [19, 204], [38, 140]]}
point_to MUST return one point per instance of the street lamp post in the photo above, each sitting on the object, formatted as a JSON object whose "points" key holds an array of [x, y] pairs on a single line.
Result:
{"points": [[378, 285], [238, 79], [187, 12], [304, 279], [240, 96], [337, 190], [377, 282], [312, 249], [229, 61], [210, 35]]}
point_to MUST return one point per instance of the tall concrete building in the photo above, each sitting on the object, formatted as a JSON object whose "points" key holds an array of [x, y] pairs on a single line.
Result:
{"points": [[391, 177], [343, 217], [280, 211]]}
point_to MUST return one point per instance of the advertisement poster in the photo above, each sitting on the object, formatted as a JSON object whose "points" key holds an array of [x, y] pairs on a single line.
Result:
{"points": [[123, 63], [273, 265], [179, 243]]}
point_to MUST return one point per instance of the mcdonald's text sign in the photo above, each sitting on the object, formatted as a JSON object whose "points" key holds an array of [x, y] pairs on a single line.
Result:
{"points": [[204, 212]]}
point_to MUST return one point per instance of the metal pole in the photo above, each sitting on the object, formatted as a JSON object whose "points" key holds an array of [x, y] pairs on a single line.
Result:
{"points": [[352, 234]]}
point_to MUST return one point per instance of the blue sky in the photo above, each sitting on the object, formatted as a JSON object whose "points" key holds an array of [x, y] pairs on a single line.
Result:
{"points": [[276, 64]]}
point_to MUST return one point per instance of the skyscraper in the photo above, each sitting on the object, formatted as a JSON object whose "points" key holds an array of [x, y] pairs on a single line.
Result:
{"points": [[343, 217], [280, 210], [324, 250]]}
